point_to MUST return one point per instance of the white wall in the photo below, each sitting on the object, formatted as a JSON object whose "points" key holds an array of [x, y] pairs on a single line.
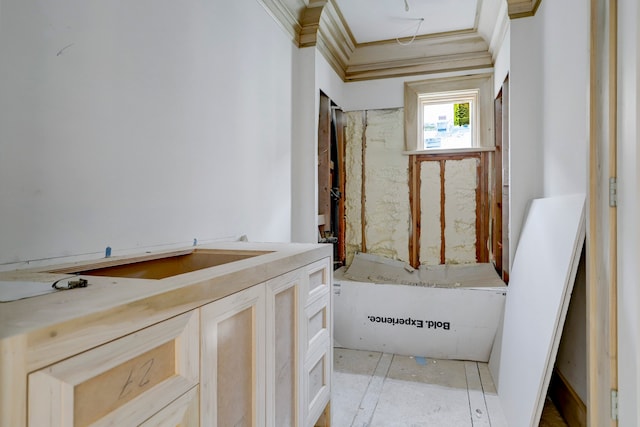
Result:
{"points": [[629, 212], [304, 148], [139, 124], [565, 76], [387, 93], [525, 122], [502, 62], [549, 66]]}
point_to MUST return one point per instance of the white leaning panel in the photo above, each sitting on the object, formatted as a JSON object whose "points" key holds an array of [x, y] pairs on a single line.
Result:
{"points": [[542, 278]]}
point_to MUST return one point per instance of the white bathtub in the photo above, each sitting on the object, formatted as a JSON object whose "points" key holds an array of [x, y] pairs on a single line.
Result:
{"points": [[453, 317]]}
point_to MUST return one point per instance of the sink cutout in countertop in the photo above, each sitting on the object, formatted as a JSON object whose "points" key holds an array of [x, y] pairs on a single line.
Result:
{"points": [[161, 268]]}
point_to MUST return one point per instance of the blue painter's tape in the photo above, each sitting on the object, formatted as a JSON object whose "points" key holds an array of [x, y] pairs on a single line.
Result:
{"points": [[421, 360]]}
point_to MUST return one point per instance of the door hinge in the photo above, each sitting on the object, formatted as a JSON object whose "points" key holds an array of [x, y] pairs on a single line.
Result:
{"points": [[613, 192], [614, 405]]}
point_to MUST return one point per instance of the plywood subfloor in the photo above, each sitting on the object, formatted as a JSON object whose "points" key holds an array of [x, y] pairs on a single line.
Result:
{"points": [[373, 389]]}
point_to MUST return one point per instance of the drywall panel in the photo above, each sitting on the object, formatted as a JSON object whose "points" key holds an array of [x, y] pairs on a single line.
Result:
{"points": [[542, 278], [353, 183], [460, 183], [137, 126], [430, 228], [386, 185]]}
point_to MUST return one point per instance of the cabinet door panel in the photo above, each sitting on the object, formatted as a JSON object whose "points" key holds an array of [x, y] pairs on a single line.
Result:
{"points": [[283, 319], [232, 361]]}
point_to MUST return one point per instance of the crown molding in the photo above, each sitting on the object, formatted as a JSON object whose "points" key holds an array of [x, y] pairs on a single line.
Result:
{"points": [[500, 31], [319, 23], [522, 8], [453, 51], [287, 15]]}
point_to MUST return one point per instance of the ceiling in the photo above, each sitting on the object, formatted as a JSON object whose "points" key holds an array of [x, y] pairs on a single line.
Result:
{"points": [[361, 38], [376, 20]]}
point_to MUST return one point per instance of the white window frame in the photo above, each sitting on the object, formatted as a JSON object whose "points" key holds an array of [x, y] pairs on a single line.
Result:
{"points": [[449, 89]]}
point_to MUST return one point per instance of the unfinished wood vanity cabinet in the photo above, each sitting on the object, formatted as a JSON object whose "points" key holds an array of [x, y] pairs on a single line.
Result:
{"points": [[248, 344]]}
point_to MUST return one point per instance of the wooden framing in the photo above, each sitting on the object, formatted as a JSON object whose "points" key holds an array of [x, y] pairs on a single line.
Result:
{"points": [[363, 218], [505, 196], [414, 204], [482, 200], [613, 210], [496, 228], [443, 221], [342, 173], [602, 363], [482, 210], [324, 162]]}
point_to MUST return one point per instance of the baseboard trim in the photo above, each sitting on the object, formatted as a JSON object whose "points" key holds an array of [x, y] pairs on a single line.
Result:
{"points": [[569, 404]]}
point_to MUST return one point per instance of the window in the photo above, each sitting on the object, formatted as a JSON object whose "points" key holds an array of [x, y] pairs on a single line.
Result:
{"points": [[448, 119], [451, 113]]}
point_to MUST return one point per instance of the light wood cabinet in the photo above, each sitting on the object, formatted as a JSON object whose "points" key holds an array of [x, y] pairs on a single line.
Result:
{"points": [[266, 353], [247, 347]]}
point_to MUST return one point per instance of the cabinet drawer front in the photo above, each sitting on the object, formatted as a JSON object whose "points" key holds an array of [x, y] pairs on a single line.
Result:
{"points": [[317, 323], [134, 377], [318, 279], [182, 412], [317, 384]]}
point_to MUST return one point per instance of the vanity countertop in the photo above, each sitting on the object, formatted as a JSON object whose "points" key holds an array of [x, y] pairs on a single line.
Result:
{"points": [[108, 303]]}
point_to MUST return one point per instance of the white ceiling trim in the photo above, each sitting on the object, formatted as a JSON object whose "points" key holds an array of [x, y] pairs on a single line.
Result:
{"points": [[321, 24], [287, 18], [500, 31]]}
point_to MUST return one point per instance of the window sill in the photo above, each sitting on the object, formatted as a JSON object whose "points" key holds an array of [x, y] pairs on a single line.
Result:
{"points": [[449, 151]]}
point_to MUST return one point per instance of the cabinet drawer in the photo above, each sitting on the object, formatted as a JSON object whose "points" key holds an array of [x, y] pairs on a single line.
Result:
{"points": [[317, 322], [182, 412], [318, 279], [134, 377], [317, 384]]}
